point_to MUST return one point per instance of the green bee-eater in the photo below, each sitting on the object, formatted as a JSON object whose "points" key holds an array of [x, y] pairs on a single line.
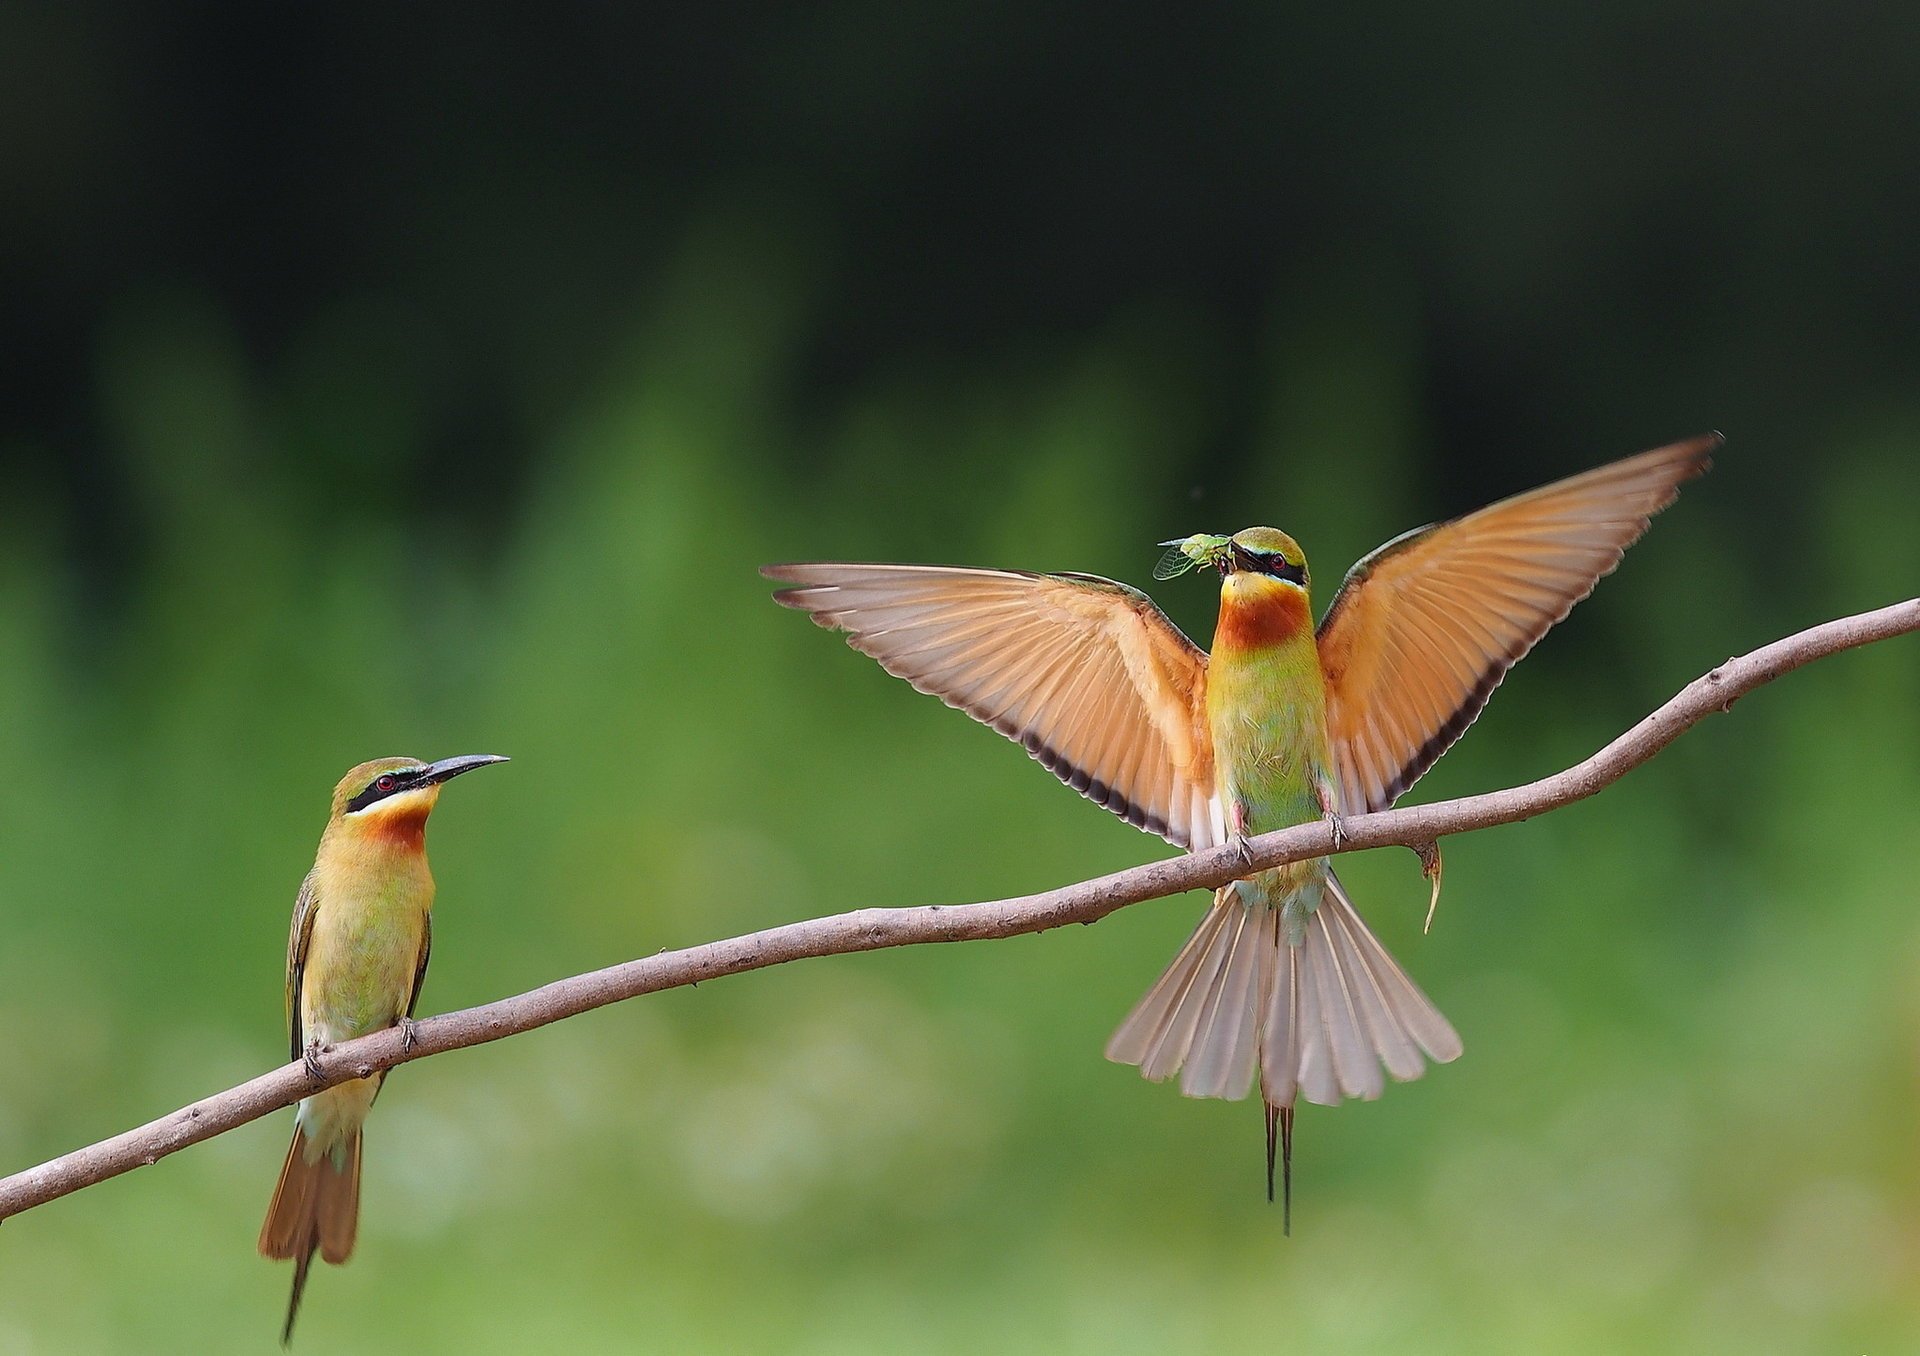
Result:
{"points": [[362, 930], [1281, 724]]}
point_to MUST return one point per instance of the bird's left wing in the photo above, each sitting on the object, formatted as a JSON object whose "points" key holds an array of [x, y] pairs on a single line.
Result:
{"points": [[305, 906], [1422, 630], [1085, 674]]}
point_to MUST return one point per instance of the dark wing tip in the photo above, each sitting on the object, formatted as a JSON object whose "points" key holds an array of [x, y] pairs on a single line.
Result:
{"points": [[1697, 453], [800, 574], [1686, 460]]}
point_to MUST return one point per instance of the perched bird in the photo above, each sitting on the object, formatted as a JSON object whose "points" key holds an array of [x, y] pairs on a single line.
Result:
{"points": [[362, 928], [1280, 725]]}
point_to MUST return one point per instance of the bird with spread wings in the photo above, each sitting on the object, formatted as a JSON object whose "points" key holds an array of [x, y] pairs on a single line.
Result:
{"points": [[1282, 723]]}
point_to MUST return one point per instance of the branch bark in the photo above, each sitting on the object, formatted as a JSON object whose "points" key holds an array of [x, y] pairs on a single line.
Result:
{"points": [[1416, 827]]}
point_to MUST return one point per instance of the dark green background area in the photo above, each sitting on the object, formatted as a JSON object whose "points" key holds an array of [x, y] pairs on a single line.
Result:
{"points": [[432, 380]]}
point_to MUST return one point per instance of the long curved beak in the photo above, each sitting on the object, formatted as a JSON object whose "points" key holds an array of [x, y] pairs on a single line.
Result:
{"points": [[448, 768]]}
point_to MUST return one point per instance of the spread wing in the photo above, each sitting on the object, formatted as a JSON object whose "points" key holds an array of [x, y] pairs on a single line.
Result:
{"points": [[1422, 630], [305, 906], [1087, 675]]}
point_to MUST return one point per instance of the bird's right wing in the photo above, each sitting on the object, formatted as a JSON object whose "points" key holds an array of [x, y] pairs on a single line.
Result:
{"points": [[1422, 630], [305, 906], [1085, 674]]}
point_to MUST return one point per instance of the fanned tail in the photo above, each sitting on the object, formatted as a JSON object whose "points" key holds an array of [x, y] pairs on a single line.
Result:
{"points": [[1340, 1010], [316, 1207], [1201, 1018], [1320, 1019]]}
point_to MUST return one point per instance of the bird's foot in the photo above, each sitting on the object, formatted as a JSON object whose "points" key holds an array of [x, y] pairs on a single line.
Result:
{"points": [[310, 1060], [1238, 816], [409, 1033], [1330, 812]]}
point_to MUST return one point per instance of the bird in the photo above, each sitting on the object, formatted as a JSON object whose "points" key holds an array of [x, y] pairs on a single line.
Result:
{"points": [[356, 957], [1283, 723]]}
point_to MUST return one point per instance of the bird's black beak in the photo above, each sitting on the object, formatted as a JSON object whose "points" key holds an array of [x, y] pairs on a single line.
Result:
{"points": [[448, 768]]}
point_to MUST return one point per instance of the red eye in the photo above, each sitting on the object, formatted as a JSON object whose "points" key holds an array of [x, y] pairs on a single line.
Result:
{"points": [[386, 783]]}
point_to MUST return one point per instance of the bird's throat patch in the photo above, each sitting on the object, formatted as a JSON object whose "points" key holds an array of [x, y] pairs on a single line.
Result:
{"points": [[1257, 612], [404, 828]]}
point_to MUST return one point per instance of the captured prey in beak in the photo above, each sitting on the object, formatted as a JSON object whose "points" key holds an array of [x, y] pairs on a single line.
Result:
{"points": [[1258, 550], [1282, 986], [1200, 551]]}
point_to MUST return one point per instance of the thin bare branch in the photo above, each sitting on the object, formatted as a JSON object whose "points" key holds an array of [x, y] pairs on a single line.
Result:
{"points": [[870, 929]]}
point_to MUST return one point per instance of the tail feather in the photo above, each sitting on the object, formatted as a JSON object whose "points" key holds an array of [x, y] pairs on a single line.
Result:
{"points": [[1280, 1137], [1320, 1020], [1395, 1046], [1231, 1015], [1411, 1010], [1152, 1037], [1356, 1061], [1184, 1024], [1280, 1025], [1315, 1017], [315, 1208]]}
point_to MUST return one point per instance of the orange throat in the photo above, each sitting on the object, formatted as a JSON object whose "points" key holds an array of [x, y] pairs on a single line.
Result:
{"points": [[1257, 614], [398, 823], [404, 830]]}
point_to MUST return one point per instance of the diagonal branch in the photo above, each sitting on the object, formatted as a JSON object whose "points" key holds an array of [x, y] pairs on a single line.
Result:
{"points": [[870, 929]]}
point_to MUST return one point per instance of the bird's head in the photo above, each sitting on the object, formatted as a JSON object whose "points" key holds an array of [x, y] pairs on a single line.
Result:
{"points": [[391, 792], [1253, 553]]}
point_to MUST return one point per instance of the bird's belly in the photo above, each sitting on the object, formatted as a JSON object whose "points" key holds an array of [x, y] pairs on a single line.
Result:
{"points": [[1269, 785], [359, 973], [359, 977], [1267, 715], [1271, 761]]}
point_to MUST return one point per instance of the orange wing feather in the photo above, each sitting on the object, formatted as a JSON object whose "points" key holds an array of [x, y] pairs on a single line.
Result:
{"points": [[1087, 675], [1422, 630]]}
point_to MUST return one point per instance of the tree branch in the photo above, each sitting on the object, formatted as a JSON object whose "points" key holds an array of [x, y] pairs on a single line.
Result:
{"points": [[870, 929]]}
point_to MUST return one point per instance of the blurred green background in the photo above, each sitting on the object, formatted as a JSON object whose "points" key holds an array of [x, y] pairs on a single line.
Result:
{"points": [[432, 380]]}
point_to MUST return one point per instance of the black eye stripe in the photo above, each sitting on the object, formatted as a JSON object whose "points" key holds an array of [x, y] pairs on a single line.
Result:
{"points": [[401, 779], [1270, 563]]}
